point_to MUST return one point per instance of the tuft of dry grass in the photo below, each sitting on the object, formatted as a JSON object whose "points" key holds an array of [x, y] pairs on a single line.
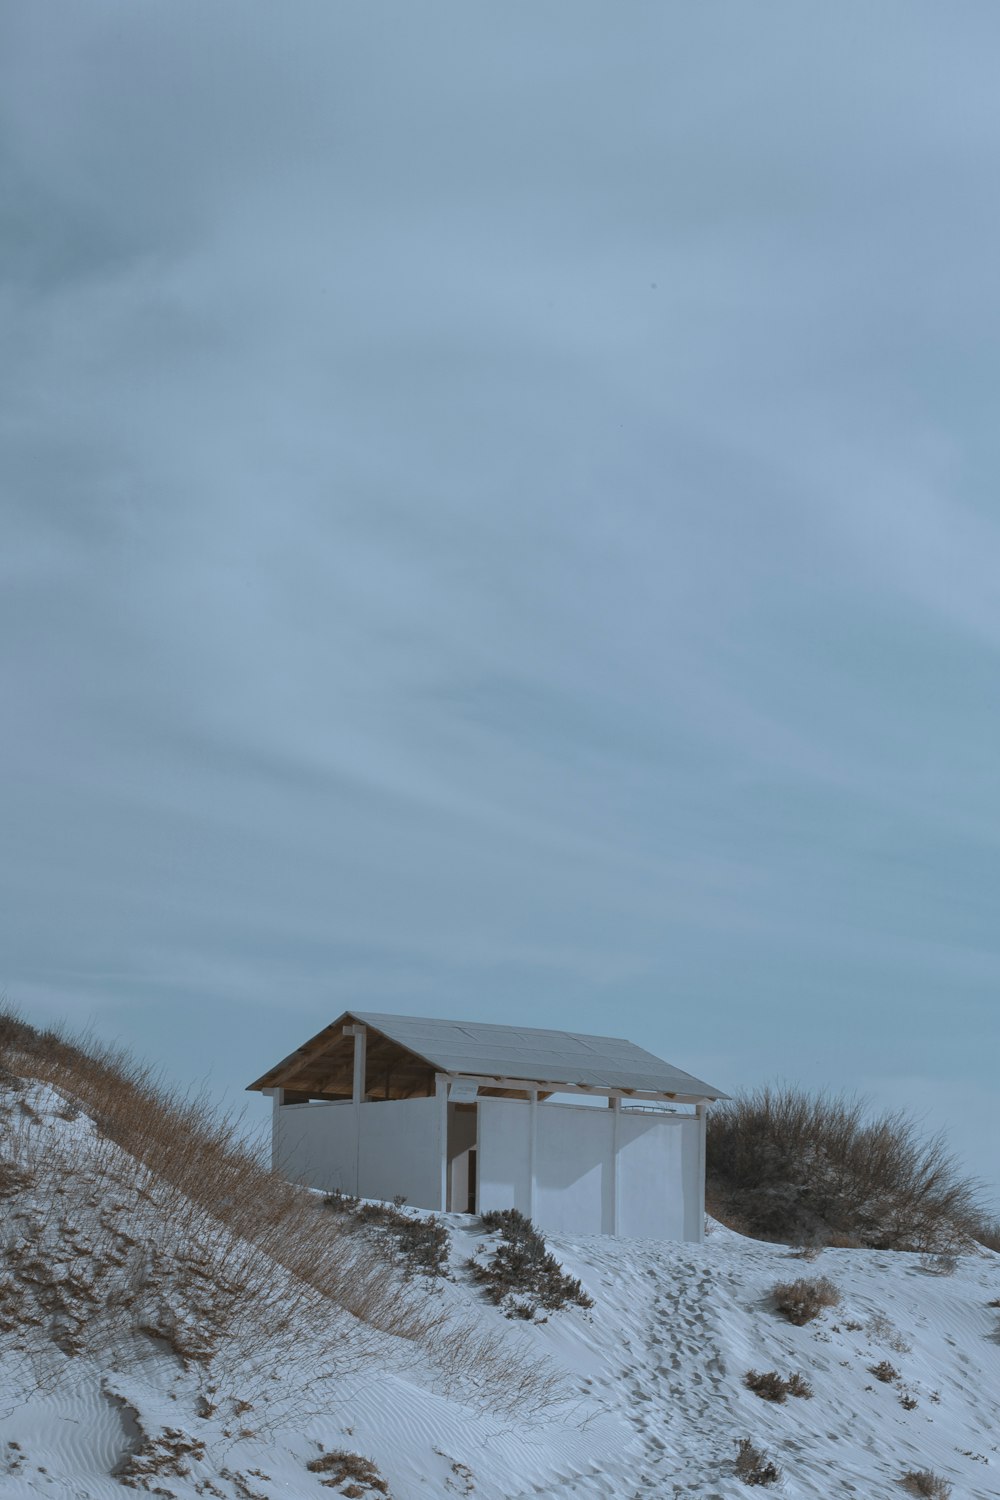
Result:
{"points": [[753, 1466], [802, 1169], [926, 1484], [884, 1371], [770, 1386], [804, 1299], [342, 1468], [774, 1387], [883, 1330]]}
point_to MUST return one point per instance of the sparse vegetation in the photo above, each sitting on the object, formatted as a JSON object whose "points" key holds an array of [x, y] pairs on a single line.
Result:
{"points": [[882, 1330], [787, 1166], [521, 1275], [884, 1371], [753, 1466], [147, 1216], [803, 1300], [943, 1264], [774, 1387], [358, 1474], [419, 1245], [926, 1484]]}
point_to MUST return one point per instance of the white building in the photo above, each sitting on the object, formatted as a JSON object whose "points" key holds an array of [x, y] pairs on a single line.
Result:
{"points": [[460, 1116]]}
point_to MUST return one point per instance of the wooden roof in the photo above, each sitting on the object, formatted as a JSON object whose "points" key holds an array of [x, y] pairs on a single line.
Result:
{"points": [[405, 1052]]}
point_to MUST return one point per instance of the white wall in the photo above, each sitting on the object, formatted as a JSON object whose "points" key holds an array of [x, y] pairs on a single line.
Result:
{"points": [[574, 1179], [503, 1155], [315, 1144], [658, 1161], [658, 1169], [400, 1152]]}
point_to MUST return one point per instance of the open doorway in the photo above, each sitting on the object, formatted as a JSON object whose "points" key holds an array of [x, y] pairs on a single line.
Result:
{"points": [[462, 1136]]}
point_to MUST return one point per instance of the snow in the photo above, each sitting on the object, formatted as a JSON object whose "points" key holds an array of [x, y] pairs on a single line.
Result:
{"points": [[645, 1396]]}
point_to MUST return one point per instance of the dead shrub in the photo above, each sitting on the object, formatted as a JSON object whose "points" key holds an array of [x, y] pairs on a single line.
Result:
{"points": [[939, 1265], [803, 1300], [884, 1371], [521, 1275], [774, 1387], [753, 1465], [925, 1483], [787, 1166], [882, 1330], [352, 1469], [770, 1387], [807, 1252]]}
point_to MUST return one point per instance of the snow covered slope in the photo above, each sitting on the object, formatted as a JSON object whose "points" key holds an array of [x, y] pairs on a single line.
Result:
{"points": [[644, 1395]]}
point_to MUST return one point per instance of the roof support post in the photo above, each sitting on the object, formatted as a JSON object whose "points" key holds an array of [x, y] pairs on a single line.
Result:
{"points": [[441, 1082], [532, 1148], [701, 1111], [360, 1035], [616, 1114], [277, 1099]]}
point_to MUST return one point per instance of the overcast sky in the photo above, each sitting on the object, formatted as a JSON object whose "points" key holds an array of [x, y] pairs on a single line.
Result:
{"points": [[500, 520]]}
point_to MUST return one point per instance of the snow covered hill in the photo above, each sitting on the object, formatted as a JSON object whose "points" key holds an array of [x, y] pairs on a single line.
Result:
{"points": [[641, 1396]]}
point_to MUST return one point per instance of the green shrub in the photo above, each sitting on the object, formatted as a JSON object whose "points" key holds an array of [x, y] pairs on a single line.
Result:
{"points": [[521, 1275], [418, 1245]]}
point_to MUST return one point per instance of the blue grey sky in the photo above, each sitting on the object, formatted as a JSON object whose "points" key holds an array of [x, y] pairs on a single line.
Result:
{"points": [[499, 519]]}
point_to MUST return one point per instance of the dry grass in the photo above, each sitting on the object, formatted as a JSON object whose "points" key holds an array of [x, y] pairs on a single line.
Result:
{"points": [[165, 1224], [753, 1466], [783, 1165], [988, 1234], [232, 1222], [803, 1300], [882, 1330], [774, 1387], [417, 1244], [884, 1371], [359, 1474], [925, 1483], [943, 1264]]}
